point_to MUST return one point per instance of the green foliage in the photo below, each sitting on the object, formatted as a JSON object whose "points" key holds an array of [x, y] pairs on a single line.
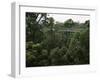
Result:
{"points": [[69, 23], [30, 59], [50, 43]]}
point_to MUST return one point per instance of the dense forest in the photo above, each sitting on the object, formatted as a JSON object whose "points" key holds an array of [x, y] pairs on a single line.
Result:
{"points": [[51, 43]]}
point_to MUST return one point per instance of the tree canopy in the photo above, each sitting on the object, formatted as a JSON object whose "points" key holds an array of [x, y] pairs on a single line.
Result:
{"points": [[50, 43]]}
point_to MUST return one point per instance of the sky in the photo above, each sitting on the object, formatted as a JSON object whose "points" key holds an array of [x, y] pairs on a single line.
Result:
{"points": [[76, 18]]}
